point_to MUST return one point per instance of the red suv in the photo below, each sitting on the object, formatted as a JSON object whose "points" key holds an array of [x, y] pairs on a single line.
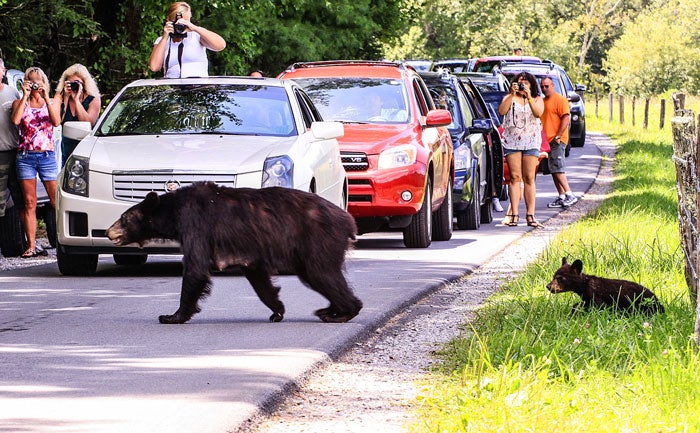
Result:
{"points": [[396, 150]]}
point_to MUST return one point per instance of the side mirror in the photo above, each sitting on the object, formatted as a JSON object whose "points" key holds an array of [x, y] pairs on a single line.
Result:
{"points": [[327, 130], [439, 117], [580, 88], [481, 126], [574, 97], [76, 130]]}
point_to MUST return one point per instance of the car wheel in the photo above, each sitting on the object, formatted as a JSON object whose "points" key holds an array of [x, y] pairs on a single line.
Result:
{"points": [[130, 259], [76, 265], [48, 214], [578, 142], [443, 217], [418, 233], [470, 218], [12, 240]]}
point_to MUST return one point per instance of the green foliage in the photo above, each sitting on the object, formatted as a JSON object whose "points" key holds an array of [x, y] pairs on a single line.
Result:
{"points": [[527, 363], [114, 38]]}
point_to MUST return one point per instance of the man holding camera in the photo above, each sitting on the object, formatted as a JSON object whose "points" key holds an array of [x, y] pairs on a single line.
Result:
{"points": [[555, 121], [182, 50]]}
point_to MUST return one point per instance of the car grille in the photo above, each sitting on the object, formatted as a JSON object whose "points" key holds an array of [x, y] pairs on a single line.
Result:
{"points": [[354, 161], [133, 186]]}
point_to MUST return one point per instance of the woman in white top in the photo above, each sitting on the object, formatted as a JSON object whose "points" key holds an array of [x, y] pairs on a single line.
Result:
{"points": [[182, 50], [522, 137]]}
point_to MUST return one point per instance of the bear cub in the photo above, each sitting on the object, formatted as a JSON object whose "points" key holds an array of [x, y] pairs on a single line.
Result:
{"points": [[603, 292], [268, 231]]}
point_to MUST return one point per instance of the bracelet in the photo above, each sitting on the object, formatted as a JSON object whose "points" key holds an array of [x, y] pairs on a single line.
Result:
{"points": [[529, 99]]}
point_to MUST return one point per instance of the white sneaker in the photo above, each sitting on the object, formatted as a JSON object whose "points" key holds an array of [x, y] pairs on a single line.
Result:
{"points": [[558, 202], [569, 200], [497, 204]]}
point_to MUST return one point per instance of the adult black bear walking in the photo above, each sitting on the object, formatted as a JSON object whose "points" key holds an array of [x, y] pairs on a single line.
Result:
{"points": [[266, 232], [603, 292]]}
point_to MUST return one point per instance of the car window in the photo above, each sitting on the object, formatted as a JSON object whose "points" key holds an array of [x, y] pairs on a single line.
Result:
{"points": [[445, 97], [425, 101], [357, 100], [308, 112], [558, 85], [200, 109]]}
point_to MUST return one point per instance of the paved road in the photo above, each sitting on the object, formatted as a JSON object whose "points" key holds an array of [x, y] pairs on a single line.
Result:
{"points": [[88, 355]]}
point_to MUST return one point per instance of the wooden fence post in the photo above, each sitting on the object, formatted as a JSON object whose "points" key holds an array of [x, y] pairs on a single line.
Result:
{"points": [[634, 102], [596, 103], [663, 114], [622, 109], [610, 106], [646, 113]]}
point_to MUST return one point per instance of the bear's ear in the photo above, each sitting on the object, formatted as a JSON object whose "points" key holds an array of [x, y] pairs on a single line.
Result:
{"points": [[577, 266], [563, 261], [149, 204]]}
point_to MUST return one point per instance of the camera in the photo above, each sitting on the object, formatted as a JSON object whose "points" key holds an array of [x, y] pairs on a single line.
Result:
{"points": [[521, 86], [74, 85], [34, 86], [180, 30]]}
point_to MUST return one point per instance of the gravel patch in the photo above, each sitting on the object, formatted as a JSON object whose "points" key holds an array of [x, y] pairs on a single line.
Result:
{"points": [[372, 387], [8, 263]]}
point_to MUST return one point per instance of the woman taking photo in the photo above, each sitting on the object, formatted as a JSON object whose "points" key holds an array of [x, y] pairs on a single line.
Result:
{"points": [[522, 136], [79, 98], [36, 114], [182, 50]]}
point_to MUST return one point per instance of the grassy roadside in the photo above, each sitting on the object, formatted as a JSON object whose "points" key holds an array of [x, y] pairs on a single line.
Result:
{"points": [[526, 364]]}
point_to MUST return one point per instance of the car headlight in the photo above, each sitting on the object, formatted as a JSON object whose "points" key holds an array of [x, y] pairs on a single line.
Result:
{"points": [[76, 178], [398, 156], [462, 157], [278, 171]]}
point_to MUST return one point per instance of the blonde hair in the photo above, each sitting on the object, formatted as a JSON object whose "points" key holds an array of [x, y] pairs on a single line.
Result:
{"points": [[176, 8], [89, 83], [42, 75]]}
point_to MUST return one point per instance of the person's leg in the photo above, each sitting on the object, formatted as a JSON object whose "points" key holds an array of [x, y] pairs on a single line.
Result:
{"points": [[529, 170], [515, 167], [28, 214], [7, 162]]}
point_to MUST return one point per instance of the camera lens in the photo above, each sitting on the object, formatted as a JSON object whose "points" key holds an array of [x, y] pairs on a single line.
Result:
{"points": [[74, 86], [34, 86], [521, 86]]}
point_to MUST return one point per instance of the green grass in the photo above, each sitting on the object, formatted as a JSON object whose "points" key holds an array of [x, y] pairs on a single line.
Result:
{"points": [[527, 364]]}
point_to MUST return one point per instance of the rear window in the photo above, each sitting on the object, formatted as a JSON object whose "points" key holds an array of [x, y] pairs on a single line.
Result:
{"points": [[200, 109], [358, 100], [557, 80]]}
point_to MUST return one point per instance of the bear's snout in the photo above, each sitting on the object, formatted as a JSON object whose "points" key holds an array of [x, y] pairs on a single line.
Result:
{"points": [[115, 233]]}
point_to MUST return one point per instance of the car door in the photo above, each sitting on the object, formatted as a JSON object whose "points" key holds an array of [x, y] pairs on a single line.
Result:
{"points": [[437, 139], [322, 155]]}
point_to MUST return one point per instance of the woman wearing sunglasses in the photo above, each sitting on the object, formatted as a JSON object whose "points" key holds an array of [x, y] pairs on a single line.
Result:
{"points": [[79, 99]]}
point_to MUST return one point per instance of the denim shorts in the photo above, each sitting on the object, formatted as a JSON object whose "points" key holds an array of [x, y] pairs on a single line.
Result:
{"points": [[29, 164], [528, 152]]}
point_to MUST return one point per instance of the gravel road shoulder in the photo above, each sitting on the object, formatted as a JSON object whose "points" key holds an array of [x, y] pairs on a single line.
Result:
{"points": [[371, 388]]}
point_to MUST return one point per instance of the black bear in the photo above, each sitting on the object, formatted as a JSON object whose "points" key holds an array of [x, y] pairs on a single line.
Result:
{"points": [[266, 232], [603, 292]]}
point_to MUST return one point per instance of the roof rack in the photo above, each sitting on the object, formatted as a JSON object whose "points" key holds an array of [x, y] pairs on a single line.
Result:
{"points": [[318, 64]]}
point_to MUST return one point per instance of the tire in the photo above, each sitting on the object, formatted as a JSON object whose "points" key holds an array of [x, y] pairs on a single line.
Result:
{"points": [[13, 242], [130, 259], [470, 219], [444, 217], [579, 142], [76, 265], [48, 214], [486, 215], [419, 231]]}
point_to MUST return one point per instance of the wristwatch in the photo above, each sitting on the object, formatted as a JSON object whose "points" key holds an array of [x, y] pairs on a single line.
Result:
{"points": [[557, 138]]}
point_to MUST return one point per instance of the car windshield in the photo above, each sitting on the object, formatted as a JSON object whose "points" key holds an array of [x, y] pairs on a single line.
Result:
{"points": [[486, 85], [200, 109], [358, 100]]}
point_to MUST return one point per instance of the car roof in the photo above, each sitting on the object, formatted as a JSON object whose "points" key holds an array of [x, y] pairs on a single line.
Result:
{"points": [[350, 68], [224, 79], [537, 69]]}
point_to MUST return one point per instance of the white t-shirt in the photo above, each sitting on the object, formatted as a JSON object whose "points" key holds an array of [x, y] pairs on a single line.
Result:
{"points": [[194, 58]]}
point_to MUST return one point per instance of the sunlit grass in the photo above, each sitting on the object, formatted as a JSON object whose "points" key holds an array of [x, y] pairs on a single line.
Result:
{"points": [[526, 363]]}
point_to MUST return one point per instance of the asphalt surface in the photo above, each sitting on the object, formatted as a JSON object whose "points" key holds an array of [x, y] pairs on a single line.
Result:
{"points": [[88, 354]]}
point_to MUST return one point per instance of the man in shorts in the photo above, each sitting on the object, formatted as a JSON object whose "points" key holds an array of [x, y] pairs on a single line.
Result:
{"points": [[555, 121], [9, 138]]}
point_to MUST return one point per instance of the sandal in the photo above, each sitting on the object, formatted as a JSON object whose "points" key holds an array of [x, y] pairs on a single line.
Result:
{"points": [[532, 222], [510, 220], [30, 253]]}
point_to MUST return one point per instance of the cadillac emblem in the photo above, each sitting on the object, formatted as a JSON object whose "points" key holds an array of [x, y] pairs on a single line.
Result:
{"points": [[171, 185]]}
